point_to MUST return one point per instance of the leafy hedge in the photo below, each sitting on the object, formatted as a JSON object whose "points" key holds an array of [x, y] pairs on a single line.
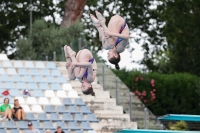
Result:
{"points": [[164, 93]]}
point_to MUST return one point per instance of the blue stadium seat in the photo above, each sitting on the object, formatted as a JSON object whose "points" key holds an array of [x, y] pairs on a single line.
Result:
{"points": [[79, 102], [85, 110], [79, 131], [49, 109], [14, 92], [2, 71], [1, 86], [67, 101], [61, 109], [11, 71], [48, 125], [72, 109], [42, 131], [52, 130], [10, 125], [30, 116], [16, 78], [18, 64], [7, 64], [44, 86], [22, 71], [9, 85], [32, 86], [61, 80], [2, 131], [55, 86], [38, 93], [51, 65], [79, 117], [67, 117], [1, 127], [39, 79], [29, 64], [42, 117], [55, 72], [61, 124], [45, 72], [50, 79], [28, 78], [22, 125], [21, 85], [36, 124], [4, 78], [39, 64], [34, 72], [91, 131], [54, 117], [73, 126], [91, 118], [85, 126]]}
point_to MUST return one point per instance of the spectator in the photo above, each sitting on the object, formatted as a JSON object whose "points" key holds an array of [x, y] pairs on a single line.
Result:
{"points": [[59, 130], [5, 110], [31, 129], [47, 131], [18, 111]]}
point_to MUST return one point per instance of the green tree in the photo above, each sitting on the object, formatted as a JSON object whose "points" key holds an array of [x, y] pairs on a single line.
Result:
{"points": [[181, 29], [15, 20], [47, 38]]}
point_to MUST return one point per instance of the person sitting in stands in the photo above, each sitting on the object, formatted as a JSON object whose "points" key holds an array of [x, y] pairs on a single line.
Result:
{"points": [[5, 110], [18, 111]]}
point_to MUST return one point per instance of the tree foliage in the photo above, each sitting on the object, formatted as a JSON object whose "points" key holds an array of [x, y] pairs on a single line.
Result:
{"points": [[168, 30], [164, 93], [15, 20], [48, 38]]}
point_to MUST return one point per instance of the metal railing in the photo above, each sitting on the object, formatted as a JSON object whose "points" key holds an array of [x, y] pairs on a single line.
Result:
{"points": [[131, 105]]}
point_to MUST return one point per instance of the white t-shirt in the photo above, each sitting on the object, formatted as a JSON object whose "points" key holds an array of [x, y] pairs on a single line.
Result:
{"points": [[32, 131]]}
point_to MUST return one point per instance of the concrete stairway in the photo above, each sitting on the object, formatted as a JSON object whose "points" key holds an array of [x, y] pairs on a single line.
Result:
{"points": [[124, 98], [111, 116]]}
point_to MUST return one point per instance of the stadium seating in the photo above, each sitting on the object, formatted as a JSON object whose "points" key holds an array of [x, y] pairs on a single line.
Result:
{"points": [[50, 104]]}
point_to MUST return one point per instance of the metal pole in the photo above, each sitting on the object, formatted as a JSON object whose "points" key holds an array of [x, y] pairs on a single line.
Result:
{"points": [[145, 118], [79, 43], [62, 51], [103, 77], [130, 106], [54, 55], [47, 58], [31, 6], [71, 45], [161, 126], [116, 91]]}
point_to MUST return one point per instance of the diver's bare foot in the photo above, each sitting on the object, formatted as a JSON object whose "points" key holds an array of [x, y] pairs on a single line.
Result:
{"points": [[101, 19], [66, 52], [71, 52], [95, 20]]}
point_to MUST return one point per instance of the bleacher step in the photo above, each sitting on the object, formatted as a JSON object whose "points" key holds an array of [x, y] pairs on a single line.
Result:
{"points": [[110, 127], [113, 117], [110, 116]]}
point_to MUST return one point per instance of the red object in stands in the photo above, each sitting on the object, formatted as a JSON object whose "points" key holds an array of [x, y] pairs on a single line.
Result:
{"points": [[5, 93]]}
